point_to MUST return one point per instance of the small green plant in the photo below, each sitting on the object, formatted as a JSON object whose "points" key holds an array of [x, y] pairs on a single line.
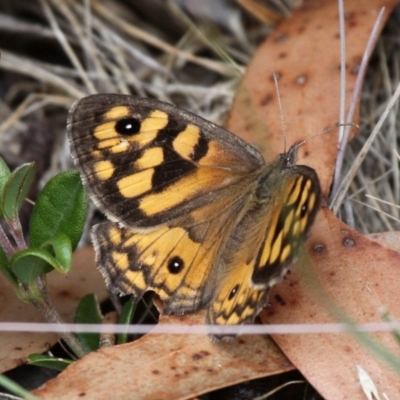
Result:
{"points": [[55, 228]]}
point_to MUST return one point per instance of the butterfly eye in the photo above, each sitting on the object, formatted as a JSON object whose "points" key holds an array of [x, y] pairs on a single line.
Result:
{"points": [[233, 292], [128, 126], [175, 265]]}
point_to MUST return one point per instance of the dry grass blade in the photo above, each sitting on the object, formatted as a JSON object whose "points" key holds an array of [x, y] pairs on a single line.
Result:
{"points": [[159, 44], [34, 69], [30, 105], [64, 42], [344, 131], [349, 177], [276, 390]]}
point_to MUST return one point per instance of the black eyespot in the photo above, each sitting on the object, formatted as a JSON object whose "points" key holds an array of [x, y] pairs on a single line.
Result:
{"points": [[175, 265], [303, 210], [233, 292], [128, 126]]}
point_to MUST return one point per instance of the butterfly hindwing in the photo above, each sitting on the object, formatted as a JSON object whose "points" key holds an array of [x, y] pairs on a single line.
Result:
{"points": [[160, 260], [179, 264]]}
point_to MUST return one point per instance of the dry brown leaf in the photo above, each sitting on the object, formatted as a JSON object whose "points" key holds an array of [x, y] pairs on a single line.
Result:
{"points": [[166, 366], [387, 239], [304, 52], [308, 64], [360, 276], [65, 292]]}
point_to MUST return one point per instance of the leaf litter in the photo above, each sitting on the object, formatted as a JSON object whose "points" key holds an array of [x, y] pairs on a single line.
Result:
{"points": [[318, 110]]}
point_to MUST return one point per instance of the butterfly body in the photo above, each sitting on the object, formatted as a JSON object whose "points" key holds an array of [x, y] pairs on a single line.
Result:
{"points": [[197, 216]]}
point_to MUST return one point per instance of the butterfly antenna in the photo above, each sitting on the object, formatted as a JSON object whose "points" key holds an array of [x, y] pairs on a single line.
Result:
{"points": [[280, 110], [327, 130]]}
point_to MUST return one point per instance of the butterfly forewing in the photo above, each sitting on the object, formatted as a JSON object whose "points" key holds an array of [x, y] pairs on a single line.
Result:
{"points": [[262, 255], [289, 224], [235, 301], [143, 159]]}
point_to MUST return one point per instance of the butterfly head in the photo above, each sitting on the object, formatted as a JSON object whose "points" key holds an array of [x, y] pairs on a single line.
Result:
{"points": [[288, 159]]}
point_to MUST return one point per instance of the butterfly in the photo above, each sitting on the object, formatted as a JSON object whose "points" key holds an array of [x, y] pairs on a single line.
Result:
{"points": [[196, 215]]}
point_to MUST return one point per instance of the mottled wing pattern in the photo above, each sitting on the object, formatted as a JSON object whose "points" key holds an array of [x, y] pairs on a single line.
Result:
{"points": [[176, 183], [178, 263], [289, 224], [197, 216], [147, 162], [249, 275]]}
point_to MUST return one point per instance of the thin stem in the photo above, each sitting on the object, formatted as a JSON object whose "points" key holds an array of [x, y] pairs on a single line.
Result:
{"points": [[41, 301], [16, 232], [5, 243]]}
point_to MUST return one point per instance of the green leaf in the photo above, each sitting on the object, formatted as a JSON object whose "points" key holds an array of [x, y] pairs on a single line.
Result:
{"points": [[5, 268], [28, 264], [42, 360], [88, 312], [387, 317], [15, 190], [60, 208], [4, 175], [127, 313], [62, 248], [16, 389]]}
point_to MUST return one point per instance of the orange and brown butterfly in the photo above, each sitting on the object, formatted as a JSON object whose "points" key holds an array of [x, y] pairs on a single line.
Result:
{"points": [[197, 216]]}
